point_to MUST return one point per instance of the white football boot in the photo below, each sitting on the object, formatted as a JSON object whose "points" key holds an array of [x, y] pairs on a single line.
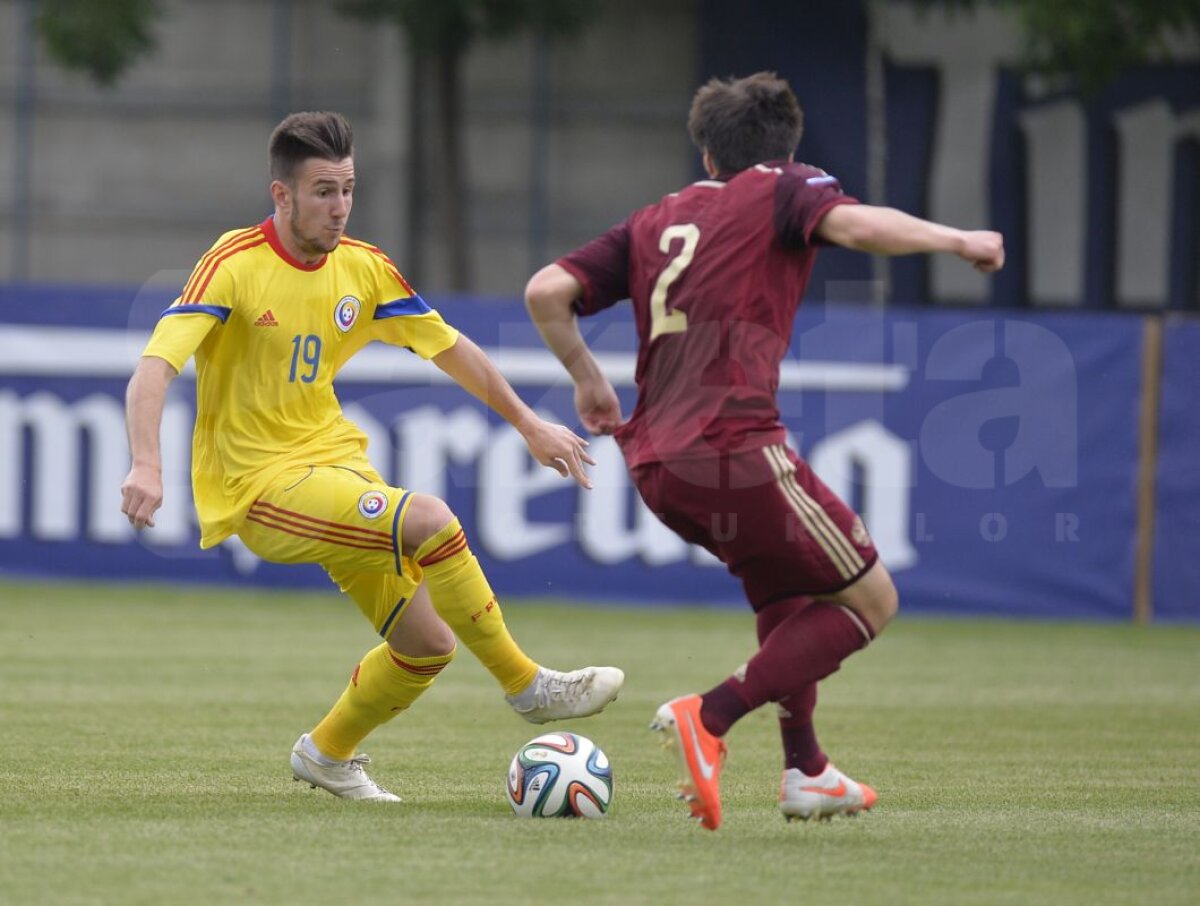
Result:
{"points": [[345, 779], [557, 696], [829, 793]]}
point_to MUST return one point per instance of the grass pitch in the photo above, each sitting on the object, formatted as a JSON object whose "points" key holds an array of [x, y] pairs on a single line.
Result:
{"points": [[144, 739]]}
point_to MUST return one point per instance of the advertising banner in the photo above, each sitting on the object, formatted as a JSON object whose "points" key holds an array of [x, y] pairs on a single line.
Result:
{"points": [[1177, 530], [992, 456]]}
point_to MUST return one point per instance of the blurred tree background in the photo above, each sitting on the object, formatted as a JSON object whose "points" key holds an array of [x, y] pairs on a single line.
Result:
{"points": [[1092, 41], [439, 35], [1081, 44], [103, 39]]}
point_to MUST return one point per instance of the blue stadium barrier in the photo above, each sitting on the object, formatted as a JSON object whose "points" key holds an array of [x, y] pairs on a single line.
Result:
{"points": [[992, 454], [1177, 529]]}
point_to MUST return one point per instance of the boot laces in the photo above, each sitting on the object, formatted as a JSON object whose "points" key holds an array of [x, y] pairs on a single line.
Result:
{"points": [[561, 688], [356, 763]]}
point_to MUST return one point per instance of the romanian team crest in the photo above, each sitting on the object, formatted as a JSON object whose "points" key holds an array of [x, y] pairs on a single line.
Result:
{"points": [[372, 503], [346, 314]]}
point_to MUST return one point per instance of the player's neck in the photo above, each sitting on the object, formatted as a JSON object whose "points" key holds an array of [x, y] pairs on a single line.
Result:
{"points": [[289, 244]]}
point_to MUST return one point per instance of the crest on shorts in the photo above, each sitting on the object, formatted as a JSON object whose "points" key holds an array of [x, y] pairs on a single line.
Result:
{"points": [[373, 504], [858, 532], [345, 313]]}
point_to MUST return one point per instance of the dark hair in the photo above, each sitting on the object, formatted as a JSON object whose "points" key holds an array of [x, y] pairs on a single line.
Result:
{"points": [[743, 122], [300, 136]]}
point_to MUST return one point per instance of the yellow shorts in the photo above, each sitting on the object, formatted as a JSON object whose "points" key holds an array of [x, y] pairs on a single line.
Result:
{"points": [[347, 519]]}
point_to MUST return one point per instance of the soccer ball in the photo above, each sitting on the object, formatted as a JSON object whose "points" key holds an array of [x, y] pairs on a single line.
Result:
{"points": [[560, 775]]}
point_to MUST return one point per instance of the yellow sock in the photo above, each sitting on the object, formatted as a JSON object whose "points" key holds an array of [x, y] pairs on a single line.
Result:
{"points": [[383, 684], [462, 597]]}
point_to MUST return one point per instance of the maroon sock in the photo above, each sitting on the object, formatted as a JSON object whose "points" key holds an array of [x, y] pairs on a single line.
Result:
{"points": [[799, 737], [801, 750], [770, 616], [806, 647], [800, 747], [722, 706], [796, 633]]}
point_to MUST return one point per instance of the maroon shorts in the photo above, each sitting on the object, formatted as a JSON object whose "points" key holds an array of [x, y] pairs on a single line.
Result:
{"points": [[768, 518]]}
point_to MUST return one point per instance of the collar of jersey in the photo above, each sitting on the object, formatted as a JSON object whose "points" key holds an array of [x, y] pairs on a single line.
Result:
{"points": [[726, 175], [268, 228]]}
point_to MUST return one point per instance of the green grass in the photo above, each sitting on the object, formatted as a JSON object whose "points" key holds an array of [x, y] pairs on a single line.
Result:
{"points": [[144, 735]]}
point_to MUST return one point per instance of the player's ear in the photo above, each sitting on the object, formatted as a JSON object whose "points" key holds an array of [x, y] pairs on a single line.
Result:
{"points": [[710, 166], [281, 194]]}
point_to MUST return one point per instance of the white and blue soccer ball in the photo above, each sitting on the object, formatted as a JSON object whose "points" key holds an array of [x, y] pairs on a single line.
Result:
{"points": [[560, 775]]}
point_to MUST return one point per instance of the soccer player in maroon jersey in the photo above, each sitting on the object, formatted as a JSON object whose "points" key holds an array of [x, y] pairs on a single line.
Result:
{"points": [[715, 273]]}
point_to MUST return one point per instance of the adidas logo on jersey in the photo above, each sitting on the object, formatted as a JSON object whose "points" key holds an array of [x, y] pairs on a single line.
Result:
{"points": [[266, 319]]}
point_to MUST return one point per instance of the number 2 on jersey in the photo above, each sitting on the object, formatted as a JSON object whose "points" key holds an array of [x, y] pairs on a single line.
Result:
{"points": [[662, 321], [308, 350]]}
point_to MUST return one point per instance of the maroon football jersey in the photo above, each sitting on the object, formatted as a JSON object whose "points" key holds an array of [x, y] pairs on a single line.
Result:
{"points": [[716, 272]]}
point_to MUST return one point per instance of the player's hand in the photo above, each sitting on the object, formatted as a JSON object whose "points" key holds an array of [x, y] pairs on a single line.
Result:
{"points": [[559, 448], [598, 406], [984, 249], [141, 495]]}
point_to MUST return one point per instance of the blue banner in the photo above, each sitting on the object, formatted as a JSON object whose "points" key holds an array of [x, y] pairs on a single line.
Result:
{"points": [[992, 456], [1177, 529]]}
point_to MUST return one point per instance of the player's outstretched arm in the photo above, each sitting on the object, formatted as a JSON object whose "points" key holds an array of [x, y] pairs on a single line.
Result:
{"points": [[555, 446], [887, 231], [549, 297], [142, 490]]}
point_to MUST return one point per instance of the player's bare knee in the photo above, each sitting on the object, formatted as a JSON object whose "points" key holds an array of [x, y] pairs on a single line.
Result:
{"points": [[881, 605], [427, 648], [444, 641], [425, 517], [886, 605], [432, 640], [873, 597], [440, 644]]}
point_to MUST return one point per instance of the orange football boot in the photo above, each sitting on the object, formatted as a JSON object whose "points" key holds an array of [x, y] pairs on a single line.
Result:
{"points": [[701, 754]]}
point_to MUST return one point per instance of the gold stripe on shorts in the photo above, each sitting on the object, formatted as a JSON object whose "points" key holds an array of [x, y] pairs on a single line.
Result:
{"points": [[840, 541], [841, 553]]}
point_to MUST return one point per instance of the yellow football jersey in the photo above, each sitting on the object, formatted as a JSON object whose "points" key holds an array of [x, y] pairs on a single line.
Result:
{"points": [[269, 334]]}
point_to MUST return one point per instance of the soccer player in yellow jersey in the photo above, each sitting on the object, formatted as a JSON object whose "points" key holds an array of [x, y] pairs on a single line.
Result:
{"points": [[271, 313]]}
